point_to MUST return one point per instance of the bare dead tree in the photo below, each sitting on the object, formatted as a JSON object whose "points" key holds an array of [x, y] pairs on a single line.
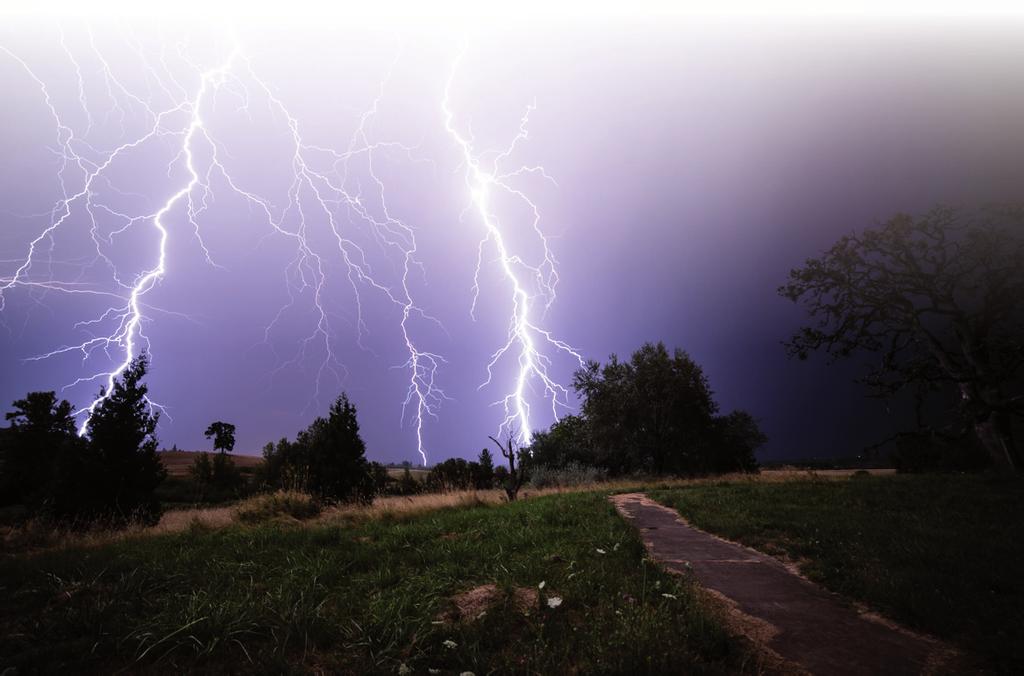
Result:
{"points": [[514, 455]]}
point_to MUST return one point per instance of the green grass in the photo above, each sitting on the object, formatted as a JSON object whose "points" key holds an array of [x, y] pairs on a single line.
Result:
{"points": [[364, 599], [938, 553]]}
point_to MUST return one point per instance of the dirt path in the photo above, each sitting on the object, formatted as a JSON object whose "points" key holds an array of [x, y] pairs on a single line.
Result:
{"points": [[781, 611]]}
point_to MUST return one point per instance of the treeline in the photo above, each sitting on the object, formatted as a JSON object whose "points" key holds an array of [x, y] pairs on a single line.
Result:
{"points": [[108, 474], [654, 415], [459, 474], [111, 473], [326, 460]]}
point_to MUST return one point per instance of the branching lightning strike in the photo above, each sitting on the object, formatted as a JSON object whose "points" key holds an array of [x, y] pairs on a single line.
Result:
{"points": [[315, 197], [530, 283], [326, 200]]}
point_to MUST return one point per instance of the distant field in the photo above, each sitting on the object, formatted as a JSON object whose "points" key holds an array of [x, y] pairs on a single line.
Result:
{"points": [[573, 590], [418, 474], [941, 553], [177, 462]]}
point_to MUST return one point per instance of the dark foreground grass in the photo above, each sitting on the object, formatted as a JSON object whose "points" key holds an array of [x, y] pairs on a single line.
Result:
{"points": [[939, 553], [364, 599]]}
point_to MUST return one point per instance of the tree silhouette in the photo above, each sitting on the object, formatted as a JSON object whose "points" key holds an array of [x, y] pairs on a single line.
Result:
{"points": [[732, 442], [516, 476], [327, 459], [223, 436], [566, 441], [42, 432], [649, 413], [122, 438], [939, 298], [483, 470], [451, 474]]}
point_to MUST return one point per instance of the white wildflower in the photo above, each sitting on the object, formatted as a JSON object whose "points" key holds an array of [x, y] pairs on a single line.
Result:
{"points": [[404, 670], [450, 644], [601, 551], [541, 585], [554, 601], [670, 596]]}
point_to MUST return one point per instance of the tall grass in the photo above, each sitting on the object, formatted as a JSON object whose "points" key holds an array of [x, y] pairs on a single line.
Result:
{"points": [[366, 598], [289, 505]]}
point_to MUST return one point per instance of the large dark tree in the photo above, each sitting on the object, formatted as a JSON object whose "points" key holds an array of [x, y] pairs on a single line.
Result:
{"points": [[124, 467], [648, 414], [42, 431], [336, 454], [939, 298]]}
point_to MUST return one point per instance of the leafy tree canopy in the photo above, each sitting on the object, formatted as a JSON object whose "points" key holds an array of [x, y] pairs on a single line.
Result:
{"points": [[223, 436], [938, 298]]}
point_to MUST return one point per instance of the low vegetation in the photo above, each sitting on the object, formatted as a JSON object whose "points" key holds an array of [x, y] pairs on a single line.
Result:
{"points": [[278, 505], [371, 598], [940, 553]]}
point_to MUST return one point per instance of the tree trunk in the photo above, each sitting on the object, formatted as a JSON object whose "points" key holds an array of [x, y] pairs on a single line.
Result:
{"points": [[993, 432]]}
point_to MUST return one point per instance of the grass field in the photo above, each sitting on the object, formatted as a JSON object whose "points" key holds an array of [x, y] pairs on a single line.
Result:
{"points": [[366, 597], [177, 463], [938, 553]]}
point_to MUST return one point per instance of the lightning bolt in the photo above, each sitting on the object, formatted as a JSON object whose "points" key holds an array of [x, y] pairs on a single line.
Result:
{"points": [[531, 283], [324, 197]]}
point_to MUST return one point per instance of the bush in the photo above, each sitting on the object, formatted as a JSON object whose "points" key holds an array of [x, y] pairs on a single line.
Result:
{"points": [[573, 474], [454, 474], [278, 505]]}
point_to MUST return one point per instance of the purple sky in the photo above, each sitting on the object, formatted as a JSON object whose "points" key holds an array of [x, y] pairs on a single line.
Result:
{"points": [[694, 162]]}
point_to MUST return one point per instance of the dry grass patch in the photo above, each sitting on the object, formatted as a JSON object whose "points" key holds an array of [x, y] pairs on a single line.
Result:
{"points": [[299, 508], [288, 506], [473, 604]]}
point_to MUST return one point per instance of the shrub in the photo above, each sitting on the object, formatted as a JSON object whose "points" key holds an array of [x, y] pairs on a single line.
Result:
{"points": [[274, 506]]}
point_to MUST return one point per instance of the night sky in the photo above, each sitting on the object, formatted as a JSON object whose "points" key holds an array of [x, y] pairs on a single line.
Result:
{"points": [[693, 163]]}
